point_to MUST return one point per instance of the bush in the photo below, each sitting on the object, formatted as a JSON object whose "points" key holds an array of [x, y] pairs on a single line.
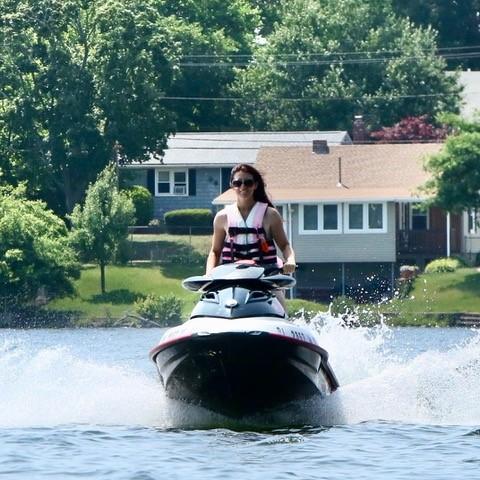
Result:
{"points": [[167, 310], [199, 219], [441, 265], [342, 305], [190, 257], [303, 308], [35, 251], [143, 202]]}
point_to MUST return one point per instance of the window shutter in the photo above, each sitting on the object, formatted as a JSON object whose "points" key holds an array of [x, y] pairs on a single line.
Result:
{"points": [[192, 182], [151, 181], [226, 179]]}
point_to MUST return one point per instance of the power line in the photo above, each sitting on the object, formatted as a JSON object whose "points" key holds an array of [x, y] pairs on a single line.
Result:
{"points": [[325, 54], [352, 61], [303, 99]]}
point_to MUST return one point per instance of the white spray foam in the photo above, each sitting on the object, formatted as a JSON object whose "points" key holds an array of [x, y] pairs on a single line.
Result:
{"points": [[435, 387], [52, 386]]}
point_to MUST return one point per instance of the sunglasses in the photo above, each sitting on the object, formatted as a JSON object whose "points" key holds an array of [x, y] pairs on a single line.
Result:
{"points": [[248, 182]]}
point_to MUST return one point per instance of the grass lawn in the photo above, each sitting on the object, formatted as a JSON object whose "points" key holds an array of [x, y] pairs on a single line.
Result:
{"points": [[457, 291], [432, 293], [199, 243], [124, 284]]}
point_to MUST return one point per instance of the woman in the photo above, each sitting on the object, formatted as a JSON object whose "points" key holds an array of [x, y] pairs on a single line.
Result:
{"points": [[251, 227]]}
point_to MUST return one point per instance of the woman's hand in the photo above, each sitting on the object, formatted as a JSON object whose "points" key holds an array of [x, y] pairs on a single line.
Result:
{"points": [[288, 268]]}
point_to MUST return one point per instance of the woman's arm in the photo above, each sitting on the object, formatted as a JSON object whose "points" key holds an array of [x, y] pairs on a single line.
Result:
{"points": [[218, 239], [279, 237]]}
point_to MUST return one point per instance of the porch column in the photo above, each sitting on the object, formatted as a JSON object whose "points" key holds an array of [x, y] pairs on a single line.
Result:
{"points": [[448, 234], [289, 234]]}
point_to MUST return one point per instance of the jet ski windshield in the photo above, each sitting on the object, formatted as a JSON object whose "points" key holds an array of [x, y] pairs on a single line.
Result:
{"points": [[239, 274]]}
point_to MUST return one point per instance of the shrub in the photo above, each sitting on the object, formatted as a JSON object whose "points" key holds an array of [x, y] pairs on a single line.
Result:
{"points": [[199, 219], [143, 202], [303, 308], [190, 257], [405, 282], [342, 305], [441, 265], [167, 310]]}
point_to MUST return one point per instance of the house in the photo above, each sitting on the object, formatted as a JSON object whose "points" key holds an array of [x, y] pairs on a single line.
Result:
{"points": [[470, 81], [353, 215], [195, 167]]}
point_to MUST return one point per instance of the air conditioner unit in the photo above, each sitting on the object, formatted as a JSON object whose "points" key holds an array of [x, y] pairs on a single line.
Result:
{"points": [[180, 190]]}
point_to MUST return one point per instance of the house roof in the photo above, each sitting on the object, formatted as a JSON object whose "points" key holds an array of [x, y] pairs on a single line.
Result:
{"points": [[230, 148], [378, 172]]}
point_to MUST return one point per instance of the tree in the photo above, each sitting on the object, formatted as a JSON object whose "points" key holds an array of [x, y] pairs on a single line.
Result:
{"points": [[86, 81], [102, 223], [329, 60], [455, 171], [218, 33], [457, 23], [34, 248], [410, 129]]}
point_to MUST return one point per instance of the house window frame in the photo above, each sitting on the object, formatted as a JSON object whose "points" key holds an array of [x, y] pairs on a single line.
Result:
{"points": [[410, 219], [320, 217], [365, 228], [171, 179], [473, 216]]}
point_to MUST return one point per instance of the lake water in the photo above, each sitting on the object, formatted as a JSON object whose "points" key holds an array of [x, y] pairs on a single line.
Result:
{"points": [[88, 404]]}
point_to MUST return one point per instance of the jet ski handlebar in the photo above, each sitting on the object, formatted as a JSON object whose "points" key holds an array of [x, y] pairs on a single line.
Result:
{"points": [[241, 274]]}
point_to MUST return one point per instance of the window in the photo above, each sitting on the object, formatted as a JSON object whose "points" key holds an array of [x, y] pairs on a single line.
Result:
{"points": [[366, 218], [320, 218], [375, 216], [171, 182], [473, 221], [330, 217], [355, 217], [419, 219]]}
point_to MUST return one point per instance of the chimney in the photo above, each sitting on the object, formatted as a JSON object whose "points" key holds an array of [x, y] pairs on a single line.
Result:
{"points": [[359, 132], [320, 147]]}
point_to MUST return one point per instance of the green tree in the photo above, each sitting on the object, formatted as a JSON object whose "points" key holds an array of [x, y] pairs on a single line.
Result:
{"points": [[143, 202], [328, 60], [34, 248], [83, 82], [455, 171], [217, 33], [102, 223], [457, 23]]}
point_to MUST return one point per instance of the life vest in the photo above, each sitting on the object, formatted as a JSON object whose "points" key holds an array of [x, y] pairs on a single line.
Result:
{"points": [[246, 239]]}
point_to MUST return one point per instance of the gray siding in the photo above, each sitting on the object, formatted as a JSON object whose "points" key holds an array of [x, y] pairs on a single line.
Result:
{"points": [[208, 187], [345, 247]]}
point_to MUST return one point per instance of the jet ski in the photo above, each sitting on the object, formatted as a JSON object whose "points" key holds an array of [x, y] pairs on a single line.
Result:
{"points": [[238, 354]]}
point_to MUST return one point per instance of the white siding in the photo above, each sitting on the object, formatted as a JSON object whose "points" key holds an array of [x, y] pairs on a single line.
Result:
{"points": [[345, 247]]}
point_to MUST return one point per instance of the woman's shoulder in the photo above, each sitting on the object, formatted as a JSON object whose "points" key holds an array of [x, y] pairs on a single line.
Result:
{"points": [[272, 213]]}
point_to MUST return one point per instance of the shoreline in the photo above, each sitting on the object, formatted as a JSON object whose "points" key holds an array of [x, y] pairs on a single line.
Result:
{"points": [[65, 319]]}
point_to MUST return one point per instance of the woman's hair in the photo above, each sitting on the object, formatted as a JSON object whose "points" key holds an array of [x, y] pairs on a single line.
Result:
{"points": [[259, 195]]}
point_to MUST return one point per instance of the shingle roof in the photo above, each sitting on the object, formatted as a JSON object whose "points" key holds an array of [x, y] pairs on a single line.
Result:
{"points": [[377, 172], [230, 148]]}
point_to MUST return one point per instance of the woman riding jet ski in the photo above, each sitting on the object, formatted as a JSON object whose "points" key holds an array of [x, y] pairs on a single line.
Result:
{"points": [[238, 355]]}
